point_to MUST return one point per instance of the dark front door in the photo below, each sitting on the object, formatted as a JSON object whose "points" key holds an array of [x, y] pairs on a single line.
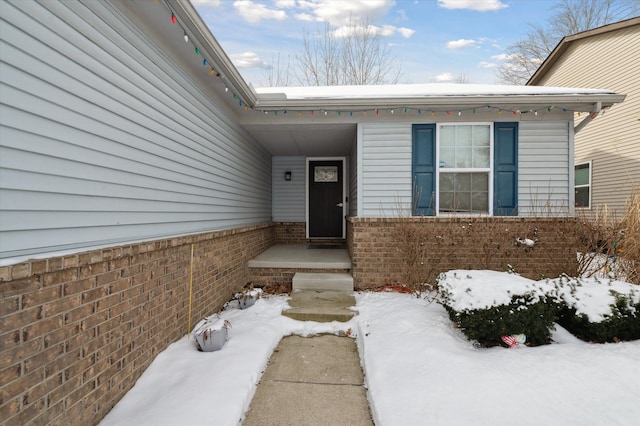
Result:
{"points": [[326, 199]]}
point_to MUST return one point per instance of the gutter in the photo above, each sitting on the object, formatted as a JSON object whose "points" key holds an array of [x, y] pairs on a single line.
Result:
{"points": [[596, 110], [275, 102]]}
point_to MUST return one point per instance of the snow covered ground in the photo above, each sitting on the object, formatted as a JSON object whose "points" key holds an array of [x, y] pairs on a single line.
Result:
{"points": [[419, 370]]}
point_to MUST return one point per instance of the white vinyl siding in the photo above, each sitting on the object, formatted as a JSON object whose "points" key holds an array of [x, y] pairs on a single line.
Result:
{"points": [[543, 168], [612, 141], [289, 196], [104, 140], [386, 169]]}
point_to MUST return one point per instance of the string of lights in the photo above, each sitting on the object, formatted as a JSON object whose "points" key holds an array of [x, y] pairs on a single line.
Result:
{"points": [[347, 112]]}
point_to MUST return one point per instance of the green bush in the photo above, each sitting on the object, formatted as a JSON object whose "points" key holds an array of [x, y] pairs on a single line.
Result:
{"points": [[622, 324], [487, 305], [525, 314]]}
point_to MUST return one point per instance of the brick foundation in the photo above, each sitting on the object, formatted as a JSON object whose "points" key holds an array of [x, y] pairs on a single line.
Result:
{"points": [[78, 331], [377, 256], [291, 232]]}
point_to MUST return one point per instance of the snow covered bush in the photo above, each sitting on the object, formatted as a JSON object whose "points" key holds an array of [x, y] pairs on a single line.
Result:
{"points": [[598, 310], [487, 305]]}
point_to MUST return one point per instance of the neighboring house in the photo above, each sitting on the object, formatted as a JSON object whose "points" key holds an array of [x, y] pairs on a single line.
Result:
{"points": [[607, 151], [138, 168]]}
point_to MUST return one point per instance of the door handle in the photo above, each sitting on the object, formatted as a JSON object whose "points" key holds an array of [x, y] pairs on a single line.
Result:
{"points": [[339, 205]]}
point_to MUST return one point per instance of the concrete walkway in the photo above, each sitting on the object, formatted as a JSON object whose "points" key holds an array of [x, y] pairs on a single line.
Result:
{"points": [[311, 381]]}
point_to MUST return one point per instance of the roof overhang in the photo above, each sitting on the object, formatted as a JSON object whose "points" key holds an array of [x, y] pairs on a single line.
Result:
{"points": [[329, 113], [433, 97], [573, 102]]}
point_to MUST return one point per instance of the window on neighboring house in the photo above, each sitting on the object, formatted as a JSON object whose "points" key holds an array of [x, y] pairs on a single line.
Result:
{"points": [[463, 168], [583, 185]]}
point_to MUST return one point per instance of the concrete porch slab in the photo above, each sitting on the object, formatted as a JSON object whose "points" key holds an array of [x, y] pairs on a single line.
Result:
{"points": [[300, 256]]}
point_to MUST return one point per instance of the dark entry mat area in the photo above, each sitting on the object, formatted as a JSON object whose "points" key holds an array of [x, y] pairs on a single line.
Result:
{"points": [[327, 246]]}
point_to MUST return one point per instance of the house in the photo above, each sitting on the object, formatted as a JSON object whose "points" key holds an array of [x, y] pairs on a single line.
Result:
{"points": [[607, 151], [138, 169]]}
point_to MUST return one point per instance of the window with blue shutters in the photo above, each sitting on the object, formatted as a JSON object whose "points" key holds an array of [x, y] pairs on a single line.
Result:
{"points": [[476, 170]]}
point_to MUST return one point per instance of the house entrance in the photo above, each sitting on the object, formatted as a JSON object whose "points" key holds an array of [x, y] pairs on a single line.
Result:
{"points": [[326, 204]]}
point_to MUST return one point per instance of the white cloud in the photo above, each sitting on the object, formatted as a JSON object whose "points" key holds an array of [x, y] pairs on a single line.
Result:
{"points": [[459, 44], [254, 12], [445, 76], [500, 57], [479, 5], [485, 64], [340, 13], [406, 32], [205, 3], [248, 60], [285, 4], [383, 31], [304, 17]]}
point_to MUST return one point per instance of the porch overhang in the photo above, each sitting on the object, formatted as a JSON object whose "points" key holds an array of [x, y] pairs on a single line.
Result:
{"points": [[432, 97]]}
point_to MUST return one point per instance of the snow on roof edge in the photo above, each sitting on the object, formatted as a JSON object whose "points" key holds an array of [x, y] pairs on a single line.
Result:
{"points": [[422, 90]]}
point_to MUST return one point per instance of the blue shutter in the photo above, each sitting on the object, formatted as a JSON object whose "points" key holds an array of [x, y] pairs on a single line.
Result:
{"points": [[505, 164], [424, 169]]}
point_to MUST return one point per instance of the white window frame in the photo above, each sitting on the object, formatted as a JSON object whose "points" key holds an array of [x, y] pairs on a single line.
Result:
{"points": [[589, 163], [489, 171]]}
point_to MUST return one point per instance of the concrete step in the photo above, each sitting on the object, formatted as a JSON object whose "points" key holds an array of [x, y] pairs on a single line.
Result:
{"points": [[323, 281], [321, 306]]}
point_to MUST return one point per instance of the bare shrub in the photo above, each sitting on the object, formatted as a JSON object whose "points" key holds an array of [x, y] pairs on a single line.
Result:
{"points": [[607, 246], [416, 272], [413, 237], [596, 243], [629, 247]]}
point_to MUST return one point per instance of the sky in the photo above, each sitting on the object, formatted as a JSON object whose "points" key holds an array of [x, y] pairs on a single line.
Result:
{"points": [[432, 40]]}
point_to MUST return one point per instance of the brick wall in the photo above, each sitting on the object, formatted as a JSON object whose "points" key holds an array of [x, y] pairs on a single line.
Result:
{"points": [[378, 256], [291, 232], [77, 331]]}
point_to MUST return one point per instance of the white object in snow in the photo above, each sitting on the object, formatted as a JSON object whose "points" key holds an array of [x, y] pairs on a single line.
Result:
{"points": [[248, 298], [211, 334]]}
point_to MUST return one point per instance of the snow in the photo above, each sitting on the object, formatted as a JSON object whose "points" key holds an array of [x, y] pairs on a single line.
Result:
{"points": [[420, 90], [470, 290], [419, 369], [593, 296]]}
